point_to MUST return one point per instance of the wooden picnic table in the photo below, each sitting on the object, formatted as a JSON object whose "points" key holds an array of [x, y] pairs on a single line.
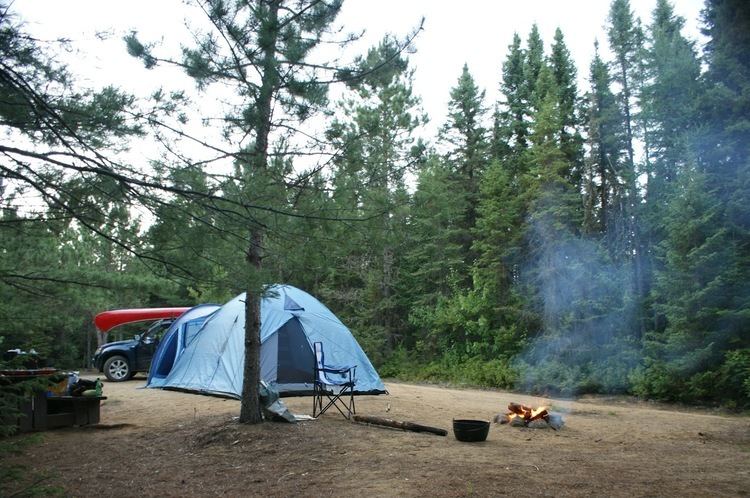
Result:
{"points": [[42, 412], [64, 411]]}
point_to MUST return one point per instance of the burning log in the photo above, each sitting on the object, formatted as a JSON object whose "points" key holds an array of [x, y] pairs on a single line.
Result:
{"points": [[522, 415]]}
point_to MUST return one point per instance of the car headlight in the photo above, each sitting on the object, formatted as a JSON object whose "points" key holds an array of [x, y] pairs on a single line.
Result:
{"points": [[98, 350]]}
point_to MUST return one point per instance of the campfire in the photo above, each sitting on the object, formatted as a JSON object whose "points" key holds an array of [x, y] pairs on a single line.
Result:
{"points": [[526, 416]]}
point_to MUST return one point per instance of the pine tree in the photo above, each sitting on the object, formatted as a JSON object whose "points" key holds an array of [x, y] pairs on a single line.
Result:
{"points": [[511, 130], [670, 99], [554, 210], [606, 138], [726, 103], [568, 283], [192, 238], [571, 141], [699, 350], [533, 62], [434, 265], [263, 50], [369, 179], [625, 39], [76, 246], [696, 299], [465, 135]]}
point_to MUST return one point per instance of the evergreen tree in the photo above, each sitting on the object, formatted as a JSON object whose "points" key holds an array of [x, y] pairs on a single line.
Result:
{"points": [[499, 244], [435, 263], [695, 295], [263, 50], [75, 246], [511, 129], [465, 135], [700, 350], [605, 133], [670, 99], [571, 141], [569, 283], [369, 180], [625, 39], [725, 145], [554, 216], [533, 62], [192, 239]]}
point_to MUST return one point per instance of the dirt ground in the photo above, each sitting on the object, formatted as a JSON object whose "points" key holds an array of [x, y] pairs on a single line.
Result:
{"points": [[161, 443]]}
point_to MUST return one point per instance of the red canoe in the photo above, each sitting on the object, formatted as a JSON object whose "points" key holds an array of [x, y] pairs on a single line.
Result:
{"points": [[107, 320]]}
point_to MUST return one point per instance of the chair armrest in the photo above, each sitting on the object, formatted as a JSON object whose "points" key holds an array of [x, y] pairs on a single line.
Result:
{"points": [[336, 369]]}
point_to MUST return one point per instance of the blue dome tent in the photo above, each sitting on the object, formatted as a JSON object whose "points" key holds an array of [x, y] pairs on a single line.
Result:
{"points": [[181, 333], [291, 321]]}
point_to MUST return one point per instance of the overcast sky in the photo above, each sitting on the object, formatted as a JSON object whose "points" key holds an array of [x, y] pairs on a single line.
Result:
{"points": [[476, 32]]}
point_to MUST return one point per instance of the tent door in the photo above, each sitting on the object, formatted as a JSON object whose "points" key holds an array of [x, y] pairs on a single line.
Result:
{"points": [[295, 356]]}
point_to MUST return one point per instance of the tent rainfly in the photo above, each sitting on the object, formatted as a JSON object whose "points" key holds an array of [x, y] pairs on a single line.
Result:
{"points": [[181, 333], [209, 353]]}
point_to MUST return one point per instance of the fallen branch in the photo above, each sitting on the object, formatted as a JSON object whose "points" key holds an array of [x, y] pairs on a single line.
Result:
{"points": [[406, 426]]}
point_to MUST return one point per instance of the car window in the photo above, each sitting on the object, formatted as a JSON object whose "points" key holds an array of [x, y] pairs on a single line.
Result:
{"points": [[156, 331]]}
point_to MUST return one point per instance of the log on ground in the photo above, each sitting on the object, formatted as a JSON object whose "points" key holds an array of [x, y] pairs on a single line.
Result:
{"points": [[406, 426]]}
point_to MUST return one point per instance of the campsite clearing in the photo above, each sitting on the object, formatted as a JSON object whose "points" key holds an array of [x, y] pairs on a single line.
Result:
{"points": [[163, 443]]}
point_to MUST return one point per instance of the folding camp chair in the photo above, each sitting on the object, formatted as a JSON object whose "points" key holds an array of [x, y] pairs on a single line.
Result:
{"points": [[333, 383]]}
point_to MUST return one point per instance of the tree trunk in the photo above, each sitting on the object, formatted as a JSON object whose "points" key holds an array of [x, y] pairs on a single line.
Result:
{"points": [[387, 282], [250, 412], [604, 194], [633, 204]]}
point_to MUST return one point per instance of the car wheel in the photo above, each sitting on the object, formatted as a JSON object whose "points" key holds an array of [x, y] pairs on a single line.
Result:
{"points": [[117, 369]]}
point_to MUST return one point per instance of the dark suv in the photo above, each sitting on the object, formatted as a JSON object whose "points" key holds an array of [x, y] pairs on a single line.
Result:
{"points": [[121, 360]]}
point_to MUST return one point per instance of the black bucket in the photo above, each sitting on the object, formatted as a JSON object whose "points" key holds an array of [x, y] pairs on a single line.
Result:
{"points": [[471, 431]]}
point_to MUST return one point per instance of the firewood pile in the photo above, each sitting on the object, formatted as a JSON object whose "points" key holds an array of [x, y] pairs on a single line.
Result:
{"points": [[526, 416]]}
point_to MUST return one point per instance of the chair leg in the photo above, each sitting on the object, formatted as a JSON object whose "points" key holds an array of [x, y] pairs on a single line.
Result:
{"points": [[317, 401], [346, 410]]}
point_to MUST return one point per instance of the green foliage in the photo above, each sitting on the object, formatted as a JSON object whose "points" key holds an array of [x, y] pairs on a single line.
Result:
{"points": [[533, 64], [53, 266], [40, 102], [17, 479], [511, 128], [509, 256], [606, 140], [734, 378], [434, 262], [728, 384], [563, 378], [365, 277], [571, 142], [13, 394], [454, 368]]}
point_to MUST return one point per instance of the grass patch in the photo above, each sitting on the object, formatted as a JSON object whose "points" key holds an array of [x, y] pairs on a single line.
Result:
{"points": [[15, 478]]}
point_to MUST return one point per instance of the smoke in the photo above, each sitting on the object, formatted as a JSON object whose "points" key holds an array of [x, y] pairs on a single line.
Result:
{"points": [[585, 301]]}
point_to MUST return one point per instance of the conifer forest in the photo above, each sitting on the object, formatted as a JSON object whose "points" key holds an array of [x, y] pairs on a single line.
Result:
{"points": [[587, 232]]}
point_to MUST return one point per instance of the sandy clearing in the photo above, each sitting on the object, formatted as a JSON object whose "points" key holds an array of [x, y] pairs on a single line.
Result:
{"points": [[165, 443]]}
